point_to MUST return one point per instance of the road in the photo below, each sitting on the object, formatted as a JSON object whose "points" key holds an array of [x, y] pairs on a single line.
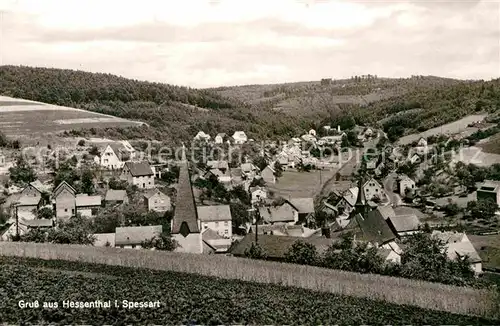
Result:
{"points": [[389, 182]]}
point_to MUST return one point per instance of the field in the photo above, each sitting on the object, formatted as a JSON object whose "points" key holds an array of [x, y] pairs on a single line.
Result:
{"points": [[450, 128], [185, 299], [475, 155], [491, 145], [27, 118], [374, 287]]}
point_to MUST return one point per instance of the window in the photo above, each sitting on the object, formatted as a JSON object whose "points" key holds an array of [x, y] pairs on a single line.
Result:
{"points": [[226, 231], [226, 223], [65, 210], [205, 225], [376, 190], [133, 246], [106, 160]]}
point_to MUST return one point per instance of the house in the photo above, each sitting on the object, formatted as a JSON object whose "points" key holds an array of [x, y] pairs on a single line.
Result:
{"points": [[458, 245], [116, 197], [155, 200], [3, 160], [23, 226], [223, 177], [133, 236], [249, 170], [112, 156], [489, 190], [86, 205], [285, 213], [258, 194], [268, 175], [185, 225], [222, 138], [312, 132], [307, 138], [214, 243], [415, 159], [422, 145], [368, 132], [389, 255], [371, 164], [276, 246], [305, 207], [404, 225], [201, 136], [28, 202], [346, 204], [139, 174], [216, 218], [63, 201], [405, 183], [372, 189], [240, 137], [375, 229], [223, 166]]}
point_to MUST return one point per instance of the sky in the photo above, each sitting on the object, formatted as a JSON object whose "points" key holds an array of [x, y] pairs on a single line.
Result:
{"points": [[209, 43]]}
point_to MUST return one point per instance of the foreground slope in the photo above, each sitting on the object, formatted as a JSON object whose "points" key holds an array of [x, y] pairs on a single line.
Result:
{"points": [[186, 299]]}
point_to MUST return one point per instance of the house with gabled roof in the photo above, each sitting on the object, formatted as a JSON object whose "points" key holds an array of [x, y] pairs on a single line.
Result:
{"points": [[63, 201], [131, 237], [201, 136], [112, 156], [240, 137], [222, 138], [23, 226], [28, 202], [405, 184], [304, 205], [139, 174], [258, 193], [404, 225], [285, 213], [458, 245], [249, 170], [217, 218], [214, 243], [268, 174], [185, 226], [155, 200]]}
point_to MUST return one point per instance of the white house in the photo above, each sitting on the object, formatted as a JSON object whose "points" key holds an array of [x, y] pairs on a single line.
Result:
{"points": [[201, 136], [459, 245], [217, 218], [415, 159], [139, 174], [258, 194], [222, 138], [113, 155], [372, 189], [155, 200], [240, 137], [405, 183], [248, 170], [312, 132], [3, 160]]}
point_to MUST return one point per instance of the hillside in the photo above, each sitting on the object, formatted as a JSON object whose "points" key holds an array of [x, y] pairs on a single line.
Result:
{"points": [[186, 299], [175, 113]]}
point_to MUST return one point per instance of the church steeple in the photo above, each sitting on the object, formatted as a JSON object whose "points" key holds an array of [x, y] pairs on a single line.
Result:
{"points": [[361, 206]]}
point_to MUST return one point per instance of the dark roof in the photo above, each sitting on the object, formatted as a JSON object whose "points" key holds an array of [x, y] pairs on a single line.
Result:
{"points": [[375, 228], [276, 246], [139, 169], [116, 195], [185, 208], [361, 199]]}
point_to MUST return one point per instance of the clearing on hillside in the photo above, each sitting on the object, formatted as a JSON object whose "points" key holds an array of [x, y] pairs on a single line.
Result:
{"points": [[20, 117]]}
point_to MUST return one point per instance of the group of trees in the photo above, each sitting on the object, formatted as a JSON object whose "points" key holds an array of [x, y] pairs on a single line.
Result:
{"points": [[22, 172], [424, 258]]}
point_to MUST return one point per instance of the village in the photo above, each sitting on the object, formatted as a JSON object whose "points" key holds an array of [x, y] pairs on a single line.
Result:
{"points": [[218, 205]]}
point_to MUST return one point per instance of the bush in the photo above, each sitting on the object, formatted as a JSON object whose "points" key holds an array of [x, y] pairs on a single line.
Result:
{"points": [[302, 253]]}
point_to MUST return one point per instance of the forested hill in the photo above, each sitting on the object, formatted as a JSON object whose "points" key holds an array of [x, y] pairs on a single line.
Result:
{"points": [[174, 113]]}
